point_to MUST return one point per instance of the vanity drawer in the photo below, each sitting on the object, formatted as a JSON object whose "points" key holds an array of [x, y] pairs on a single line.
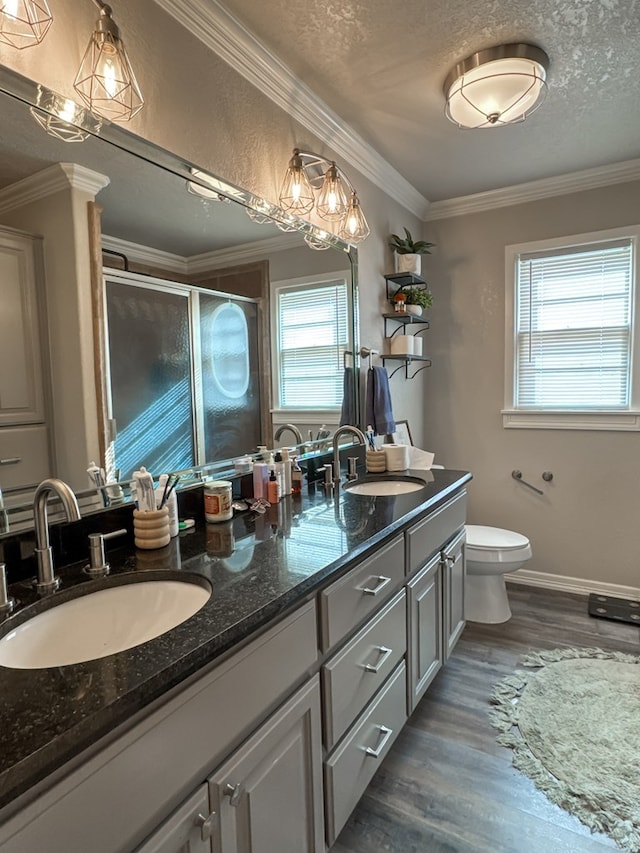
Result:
{"points": [[349, 770], [355, 674], [24, 456], [430, 534], [348, 601]]}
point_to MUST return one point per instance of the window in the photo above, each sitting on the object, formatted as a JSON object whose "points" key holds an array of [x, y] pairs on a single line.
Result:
{"points": [[570, 333], [312, 321]]}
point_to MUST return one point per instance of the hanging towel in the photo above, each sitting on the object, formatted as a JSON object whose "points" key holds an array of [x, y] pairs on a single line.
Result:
{"points": [[379, 411], [348, 414]]}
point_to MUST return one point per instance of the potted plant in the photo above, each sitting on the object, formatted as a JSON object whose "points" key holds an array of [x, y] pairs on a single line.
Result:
{"points": [[408, 252], [417, 299], [412, 299]]}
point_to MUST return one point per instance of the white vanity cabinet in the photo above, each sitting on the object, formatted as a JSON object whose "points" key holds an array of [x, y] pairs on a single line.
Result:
{"points": [[24, 452], [268, 795], [116, 799], [453, 584], [188, 830], [425, 629]]}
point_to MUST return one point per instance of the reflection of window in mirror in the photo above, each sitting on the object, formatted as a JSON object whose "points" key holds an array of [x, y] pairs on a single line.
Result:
{"points": [[311, 322], [183, 374]]}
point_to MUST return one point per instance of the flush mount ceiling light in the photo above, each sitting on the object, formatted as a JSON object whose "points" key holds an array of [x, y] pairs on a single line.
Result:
{"points": [[24, 22], [312, 182], [497, 86], [105, 81]]}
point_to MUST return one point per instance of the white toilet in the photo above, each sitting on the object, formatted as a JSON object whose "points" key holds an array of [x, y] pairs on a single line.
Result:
{"points": [[491, 554]]}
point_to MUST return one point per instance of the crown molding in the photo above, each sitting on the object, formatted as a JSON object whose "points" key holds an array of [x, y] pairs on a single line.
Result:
{"points": [[586, 179], [197, 264], [49, 181], [241, 254], [229, 39], [146, 255]]}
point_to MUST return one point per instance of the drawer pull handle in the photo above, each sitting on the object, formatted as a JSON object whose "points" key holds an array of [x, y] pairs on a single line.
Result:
{"points": [[206, 825], [234, 792], [382, 582], [384, 654], [448, 560], [386, 734], [11, 460]]}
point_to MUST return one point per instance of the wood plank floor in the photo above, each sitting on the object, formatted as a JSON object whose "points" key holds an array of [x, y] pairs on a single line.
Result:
{"points": [[446, 786]]}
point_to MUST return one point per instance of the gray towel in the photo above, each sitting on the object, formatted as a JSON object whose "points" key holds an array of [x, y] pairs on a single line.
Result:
{"points": [[348, 413], [379, 410]]}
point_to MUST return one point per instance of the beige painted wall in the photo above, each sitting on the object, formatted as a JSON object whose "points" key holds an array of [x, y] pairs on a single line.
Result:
{"points": [[586, 525]]}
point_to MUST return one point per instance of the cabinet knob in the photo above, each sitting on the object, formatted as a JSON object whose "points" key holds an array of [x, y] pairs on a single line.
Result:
{"points": [[206, 825], [234, 792]]}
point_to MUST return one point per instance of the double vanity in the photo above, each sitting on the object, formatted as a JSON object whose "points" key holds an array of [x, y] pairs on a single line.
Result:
{"points": [[257, 723]]}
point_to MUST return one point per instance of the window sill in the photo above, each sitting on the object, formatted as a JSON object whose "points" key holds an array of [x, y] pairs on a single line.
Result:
{"points": [[600, 420]]}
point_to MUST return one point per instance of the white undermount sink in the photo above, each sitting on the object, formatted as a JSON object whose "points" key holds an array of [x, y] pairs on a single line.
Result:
{"points": [[380, 488], [101, 623]]}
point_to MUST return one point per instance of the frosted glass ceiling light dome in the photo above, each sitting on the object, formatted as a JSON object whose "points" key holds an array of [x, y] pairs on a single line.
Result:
{"points": [[24, 22], [497, 86]]}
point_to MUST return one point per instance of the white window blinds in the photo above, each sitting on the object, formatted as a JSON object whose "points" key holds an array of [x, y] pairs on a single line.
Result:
{"points": [[312, 331], [574, 327]]}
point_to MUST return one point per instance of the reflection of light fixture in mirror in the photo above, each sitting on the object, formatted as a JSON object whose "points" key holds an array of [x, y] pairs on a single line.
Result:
{"points": [[105, 80], [315, 242], [309, 173], [24, 22], [497, 86], [204, 192], [62, 118]]}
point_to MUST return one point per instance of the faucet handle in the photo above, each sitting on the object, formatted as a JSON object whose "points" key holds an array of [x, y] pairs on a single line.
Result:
{"points": [[98, 566], [6, 603]]}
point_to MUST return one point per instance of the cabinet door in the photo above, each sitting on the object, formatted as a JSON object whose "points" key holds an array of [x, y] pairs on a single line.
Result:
{"points": [[269, 793], [21, 396], [425, 630], [188, 830], [453, 576]]}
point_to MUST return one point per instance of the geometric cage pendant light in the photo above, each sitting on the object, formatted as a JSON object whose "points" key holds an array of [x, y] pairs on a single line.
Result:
{"points": [[105, 80], [313, 182], [497, 86], [24, 22]]}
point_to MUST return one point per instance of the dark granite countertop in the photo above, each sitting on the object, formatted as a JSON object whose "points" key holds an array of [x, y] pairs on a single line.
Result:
{"points": [[259, 567]]}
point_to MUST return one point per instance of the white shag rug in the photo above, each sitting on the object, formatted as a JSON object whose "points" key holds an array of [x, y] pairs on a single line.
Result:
{"points": [[574, 728]]}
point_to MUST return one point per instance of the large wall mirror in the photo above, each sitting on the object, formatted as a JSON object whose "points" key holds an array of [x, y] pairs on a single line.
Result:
{"points": [[112, 271]]}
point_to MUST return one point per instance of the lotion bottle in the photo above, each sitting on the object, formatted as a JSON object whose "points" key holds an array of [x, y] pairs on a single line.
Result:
{"points": [[287, 468], [273, 491]]}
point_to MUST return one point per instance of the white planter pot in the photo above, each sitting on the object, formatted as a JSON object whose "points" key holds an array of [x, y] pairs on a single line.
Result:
{"points": [[408, 263], [414, 309]]}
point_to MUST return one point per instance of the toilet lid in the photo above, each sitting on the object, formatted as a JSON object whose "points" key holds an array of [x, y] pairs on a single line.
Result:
{"points": [[488, 538]]}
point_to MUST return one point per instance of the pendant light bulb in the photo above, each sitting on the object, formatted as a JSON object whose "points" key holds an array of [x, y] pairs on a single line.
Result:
{"points": [[332, 199], [296, 194], [105, 80], [24, 22], [354, 227]]}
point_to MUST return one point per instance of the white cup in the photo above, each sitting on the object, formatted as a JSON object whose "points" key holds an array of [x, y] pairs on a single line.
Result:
{"points": [[397, 456]]}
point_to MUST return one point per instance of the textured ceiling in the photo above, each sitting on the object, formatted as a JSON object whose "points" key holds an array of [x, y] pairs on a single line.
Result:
{"points": [[380, 65]]}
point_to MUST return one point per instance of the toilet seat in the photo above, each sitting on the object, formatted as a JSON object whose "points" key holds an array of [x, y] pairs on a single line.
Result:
{"points": [[496, 545]]}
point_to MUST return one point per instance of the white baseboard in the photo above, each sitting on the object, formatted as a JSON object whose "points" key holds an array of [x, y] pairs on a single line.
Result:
{"points": [[581, 586]]}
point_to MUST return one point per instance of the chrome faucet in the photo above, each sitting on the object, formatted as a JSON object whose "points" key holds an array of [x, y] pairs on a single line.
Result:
{"points": [[336, 449], [47, 581], [292, 428]]}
